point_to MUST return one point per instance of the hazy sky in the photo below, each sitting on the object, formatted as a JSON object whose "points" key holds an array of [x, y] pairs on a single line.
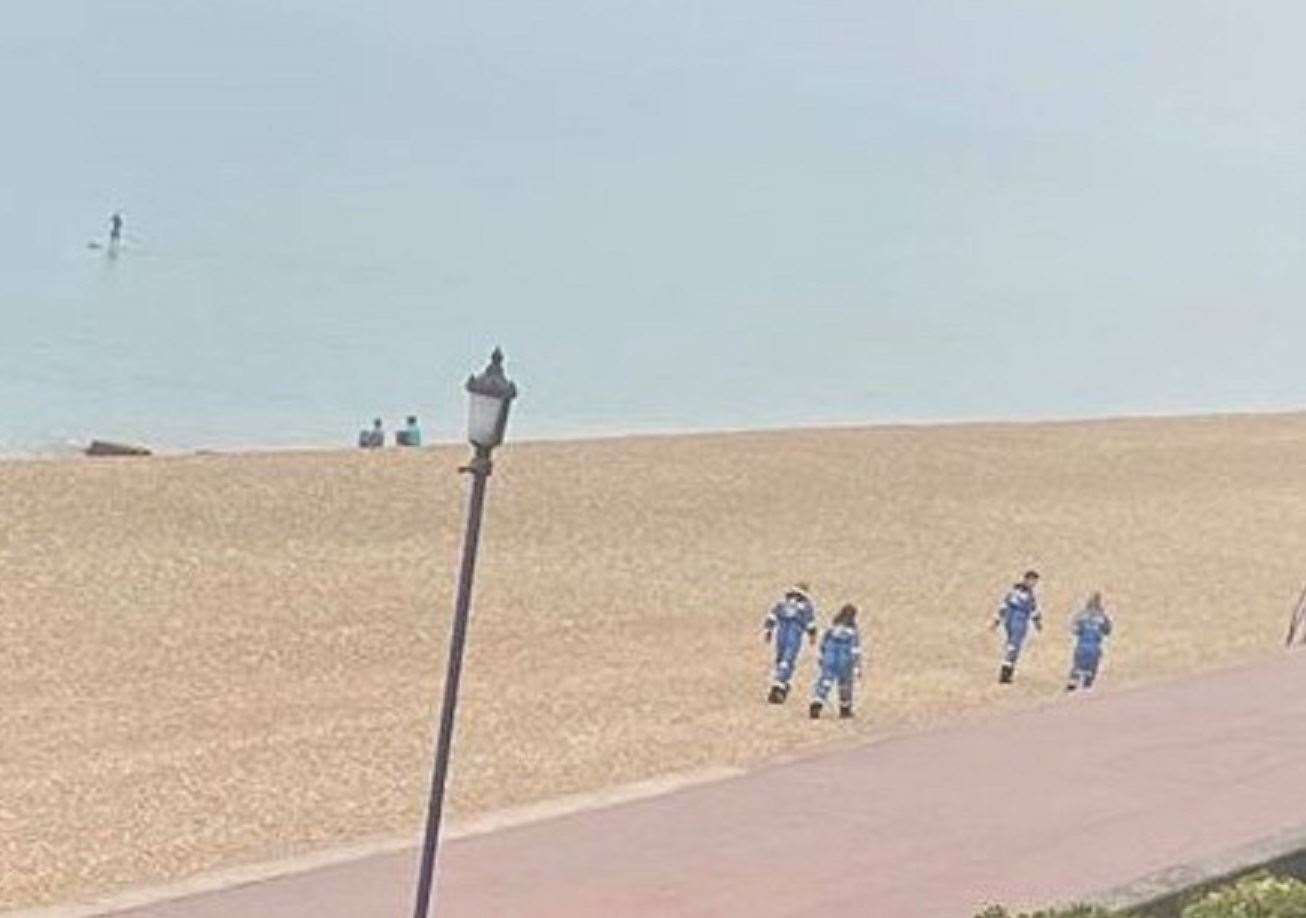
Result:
{"points": [[843, 208]]}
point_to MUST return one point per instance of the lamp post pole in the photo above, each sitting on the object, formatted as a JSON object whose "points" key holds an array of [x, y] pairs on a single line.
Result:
{"points": [[480, 472], [491, 396]]}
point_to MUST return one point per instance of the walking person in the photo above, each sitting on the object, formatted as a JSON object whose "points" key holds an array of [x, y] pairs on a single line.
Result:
{"points": [[1091, 626], [841, 662], [1018, 610], [115, 229], [786, 623]]}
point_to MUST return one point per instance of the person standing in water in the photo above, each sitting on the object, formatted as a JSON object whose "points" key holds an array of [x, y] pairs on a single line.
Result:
{"points": [[115, 230]]}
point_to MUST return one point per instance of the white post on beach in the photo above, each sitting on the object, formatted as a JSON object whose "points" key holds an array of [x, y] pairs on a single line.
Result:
{"points": [[490, 396]]}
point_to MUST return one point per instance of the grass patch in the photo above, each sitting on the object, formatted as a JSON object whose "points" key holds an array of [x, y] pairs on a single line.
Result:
{"points": [[1257, 895]]}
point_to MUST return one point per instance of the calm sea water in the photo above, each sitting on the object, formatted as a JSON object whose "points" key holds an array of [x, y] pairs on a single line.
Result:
{"points": [[674, 215]]}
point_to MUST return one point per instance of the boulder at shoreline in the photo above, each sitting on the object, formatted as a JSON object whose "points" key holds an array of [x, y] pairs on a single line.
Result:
{"points": [[110, 448]]}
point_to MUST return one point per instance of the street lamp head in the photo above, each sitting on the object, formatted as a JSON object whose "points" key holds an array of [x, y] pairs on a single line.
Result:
{"points": [[490, 396]]}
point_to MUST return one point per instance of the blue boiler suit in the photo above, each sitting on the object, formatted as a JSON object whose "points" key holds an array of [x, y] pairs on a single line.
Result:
{"points": [[1091, 628], [786, 624], [841, 659], [1018, 610]]}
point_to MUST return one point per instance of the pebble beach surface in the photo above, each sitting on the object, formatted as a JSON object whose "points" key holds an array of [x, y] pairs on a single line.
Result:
{"points": [[221, 659]]}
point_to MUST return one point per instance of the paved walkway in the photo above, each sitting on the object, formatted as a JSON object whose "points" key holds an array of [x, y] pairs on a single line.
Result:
{"points": [[1083, 795]]}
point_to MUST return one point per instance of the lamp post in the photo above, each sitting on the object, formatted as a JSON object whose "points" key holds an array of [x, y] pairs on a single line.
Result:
{"points": [[490, 396]]}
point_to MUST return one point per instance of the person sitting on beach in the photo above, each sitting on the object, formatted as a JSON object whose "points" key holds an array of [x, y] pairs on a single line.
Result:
{"points": [[1018, 609], [841, 662], [411, 435], [374, 438], [793, 616], [1091, 627]]}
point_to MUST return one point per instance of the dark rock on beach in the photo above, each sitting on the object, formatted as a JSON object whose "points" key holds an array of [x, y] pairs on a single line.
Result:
{"points": [[109, 448]]}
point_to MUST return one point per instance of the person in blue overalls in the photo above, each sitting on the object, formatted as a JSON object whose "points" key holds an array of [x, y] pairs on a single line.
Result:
{"points": [[1091, 627], [792, 617], [841, 662], [1018, 610]]}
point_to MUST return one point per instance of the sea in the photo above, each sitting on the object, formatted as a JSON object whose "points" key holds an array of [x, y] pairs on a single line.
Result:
{"points": [[672, 217]]}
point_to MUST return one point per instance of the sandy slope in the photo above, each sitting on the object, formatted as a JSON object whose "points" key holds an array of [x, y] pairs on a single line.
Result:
{"points": [[215, 659]]}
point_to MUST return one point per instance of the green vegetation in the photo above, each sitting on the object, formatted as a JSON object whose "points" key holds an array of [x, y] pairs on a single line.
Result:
{"points": [[1257, 895], [1072, 911]]}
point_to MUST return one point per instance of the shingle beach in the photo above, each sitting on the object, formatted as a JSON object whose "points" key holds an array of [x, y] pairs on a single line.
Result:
{"points": [[220, 659]]}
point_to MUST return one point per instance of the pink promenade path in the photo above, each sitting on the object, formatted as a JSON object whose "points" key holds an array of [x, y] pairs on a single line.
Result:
{"points": [[1082, 795]]}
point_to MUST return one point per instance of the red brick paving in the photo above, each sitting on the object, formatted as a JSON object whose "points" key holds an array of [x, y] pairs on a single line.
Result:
{"points": [[1039, 807]]}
